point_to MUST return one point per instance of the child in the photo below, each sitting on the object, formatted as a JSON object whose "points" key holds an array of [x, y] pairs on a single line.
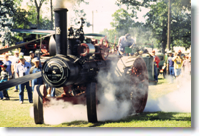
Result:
{"points": [[4, 78]]}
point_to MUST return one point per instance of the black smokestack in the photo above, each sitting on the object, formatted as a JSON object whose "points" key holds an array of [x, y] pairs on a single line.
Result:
{"points": [[61, 30]]}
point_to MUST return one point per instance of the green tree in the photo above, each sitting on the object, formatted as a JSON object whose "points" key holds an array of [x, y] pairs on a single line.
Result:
{"points": [[7, 11], [38, 5], [180, 25], [44, 22], [122, 21], [20, 21], [157, 19], [181, 30], [111, 34], [137, 4], [24, 19], [79, 13]]}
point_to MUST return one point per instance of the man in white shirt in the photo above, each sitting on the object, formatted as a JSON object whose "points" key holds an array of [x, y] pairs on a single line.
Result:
{"points": [[23, 69], [15, 61]]}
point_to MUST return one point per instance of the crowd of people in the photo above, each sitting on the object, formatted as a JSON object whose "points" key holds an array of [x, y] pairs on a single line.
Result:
{"points": [[178, 63], [20, 67]]}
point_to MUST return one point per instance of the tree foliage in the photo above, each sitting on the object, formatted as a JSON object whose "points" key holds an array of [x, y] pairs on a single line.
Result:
{"points": [[7, 11], [122, 21], [78, 13], [38, 5], [112, 35], [180, 24], [20, 21], [157, 19], [26, 19], [13, 16], [136, 4]]}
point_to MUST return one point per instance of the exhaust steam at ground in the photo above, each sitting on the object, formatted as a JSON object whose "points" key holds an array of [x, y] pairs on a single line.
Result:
{"points": [[112, 109], [109, 108], [177, 101]]}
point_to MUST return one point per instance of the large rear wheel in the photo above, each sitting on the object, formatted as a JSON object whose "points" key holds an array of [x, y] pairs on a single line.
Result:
{"points": [[38, 104], [139, 76], [91, 102], [134, 73]]}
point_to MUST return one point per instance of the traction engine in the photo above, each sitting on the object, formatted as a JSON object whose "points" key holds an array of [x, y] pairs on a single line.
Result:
{"points": [[75, 67]]}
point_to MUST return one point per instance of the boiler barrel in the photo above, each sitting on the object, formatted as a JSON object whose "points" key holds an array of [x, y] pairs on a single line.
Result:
{"points": [[61, 71]]}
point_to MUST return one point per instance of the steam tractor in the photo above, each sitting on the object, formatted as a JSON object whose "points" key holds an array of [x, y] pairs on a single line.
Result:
{"points": [[75, 68]]}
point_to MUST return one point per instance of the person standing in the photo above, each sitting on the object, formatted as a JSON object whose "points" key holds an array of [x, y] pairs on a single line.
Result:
{"points": [[156, 61], [124, 41], [15, 61], [178, 61], [187, 65], [4, 78], [170, 64], [23, 69], [34, 69], [8, 63], [32, 56], [1, 63]]}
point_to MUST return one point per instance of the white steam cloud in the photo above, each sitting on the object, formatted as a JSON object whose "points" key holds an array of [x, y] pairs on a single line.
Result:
{"points": [[177, 101], [67, 4], [110, 107], [59, 112], [64, 3]]}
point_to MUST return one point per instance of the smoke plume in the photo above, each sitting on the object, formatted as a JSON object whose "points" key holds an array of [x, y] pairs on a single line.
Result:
{"points": [[64, 3], [70, 5]]}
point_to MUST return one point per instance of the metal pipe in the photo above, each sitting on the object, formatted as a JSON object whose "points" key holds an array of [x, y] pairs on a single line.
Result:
{"points": [[61, 31]]}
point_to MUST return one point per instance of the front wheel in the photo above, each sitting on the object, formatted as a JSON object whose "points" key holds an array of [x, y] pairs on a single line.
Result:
{"points": [[91, 102], [38, 104]]}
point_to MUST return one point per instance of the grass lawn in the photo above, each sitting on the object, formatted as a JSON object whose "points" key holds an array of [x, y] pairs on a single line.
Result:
{"points": [[14, 114]]}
